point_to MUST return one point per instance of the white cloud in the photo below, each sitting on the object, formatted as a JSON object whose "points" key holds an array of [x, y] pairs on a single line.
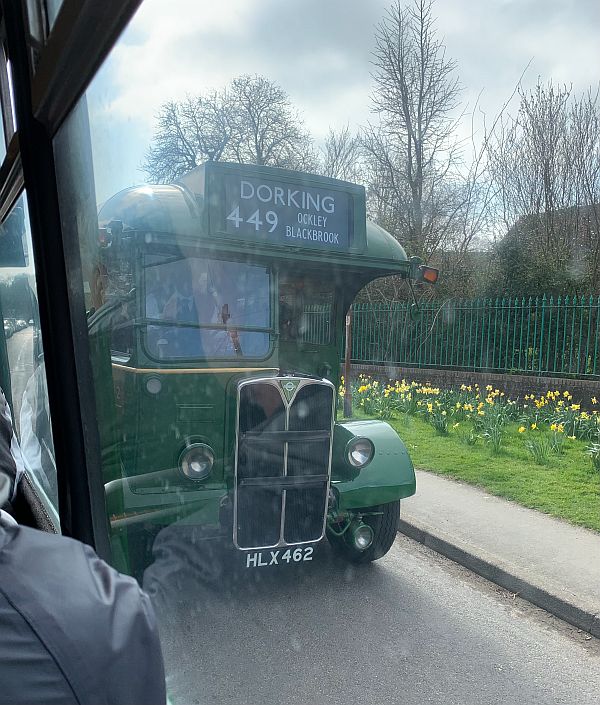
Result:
{"points": [[319, 52]]}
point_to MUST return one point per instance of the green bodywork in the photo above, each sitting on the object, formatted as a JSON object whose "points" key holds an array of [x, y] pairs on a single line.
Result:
{"points": [[144, 432]]}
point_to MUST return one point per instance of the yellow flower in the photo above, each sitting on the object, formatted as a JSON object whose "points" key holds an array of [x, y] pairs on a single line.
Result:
{"points": [[560, 428], [571, 438], [481, 413], [522, 429], [565, 394], [533, 426], [575, 407], [455, 425], [553, 427], [594, 400], [489, 388], [443, 413]]}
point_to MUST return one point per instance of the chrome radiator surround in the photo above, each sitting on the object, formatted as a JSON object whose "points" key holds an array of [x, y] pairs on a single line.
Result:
{"points": [[284, 434]]}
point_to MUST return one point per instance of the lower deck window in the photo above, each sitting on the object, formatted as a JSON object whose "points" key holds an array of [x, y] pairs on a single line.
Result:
{"points": [[201, 308]]}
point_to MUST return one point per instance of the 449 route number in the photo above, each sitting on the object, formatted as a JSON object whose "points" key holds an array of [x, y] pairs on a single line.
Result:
{"points": [[255, 219]]}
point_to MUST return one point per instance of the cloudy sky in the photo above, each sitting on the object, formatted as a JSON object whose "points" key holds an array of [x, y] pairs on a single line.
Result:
{"points": [[319, 51]]}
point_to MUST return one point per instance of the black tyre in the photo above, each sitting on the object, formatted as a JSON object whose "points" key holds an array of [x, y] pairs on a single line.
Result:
{"points": [[385, 528]]}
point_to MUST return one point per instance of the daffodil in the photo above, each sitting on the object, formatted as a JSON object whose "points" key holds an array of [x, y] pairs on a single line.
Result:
{"points": [[533, 426], [522, 429]]}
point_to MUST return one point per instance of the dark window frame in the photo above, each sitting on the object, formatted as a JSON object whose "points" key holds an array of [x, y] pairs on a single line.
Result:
{"points": [[49, 74]]}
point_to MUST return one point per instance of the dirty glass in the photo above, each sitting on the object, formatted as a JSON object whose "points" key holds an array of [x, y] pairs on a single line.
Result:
{"points": [[215, 305], [305, 310], [256, 189], [24, 376]]}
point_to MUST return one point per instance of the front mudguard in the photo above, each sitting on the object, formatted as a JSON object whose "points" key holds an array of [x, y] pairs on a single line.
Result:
{"points": [[389, 476]]}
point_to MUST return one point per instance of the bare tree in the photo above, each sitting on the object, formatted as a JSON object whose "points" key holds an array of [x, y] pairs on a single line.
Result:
{"points": [[269, 130], [412, 154], [250, 121], [546, 164], [342, 155], [189, 132]]}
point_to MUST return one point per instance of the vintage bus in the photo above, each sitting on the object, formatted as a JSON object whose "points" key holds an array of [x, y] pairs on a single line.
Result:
{"points": [[218, 324]]}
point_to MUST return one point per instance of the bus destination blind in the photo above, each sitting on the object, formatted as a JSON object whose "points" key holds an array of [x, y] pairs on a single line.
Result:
{"points": [[286, 214]]}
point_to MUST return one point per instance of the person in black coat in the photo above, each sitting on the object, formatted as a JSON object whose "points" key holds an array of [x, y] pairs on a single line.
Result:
{"points": [[73, 630]]}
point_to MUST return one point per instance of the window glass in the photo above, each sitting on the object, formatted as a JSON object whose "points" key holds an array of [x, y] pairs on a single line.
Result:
{"points": [[6, 101], [52, 10], [212, 303], [234, 177], [41, 15], [305, 310], [2, 146], [23, 375], [11, 94]]}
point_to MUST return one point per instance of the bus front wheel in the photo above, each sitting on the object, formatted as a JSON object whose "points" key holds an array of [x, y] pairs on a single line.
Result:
{"points": [[383, 520]]}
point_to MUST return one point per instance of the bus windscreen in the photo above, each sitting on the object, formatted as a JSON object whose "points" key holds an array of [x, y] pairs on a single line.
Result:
{"points": [[203, 308]]}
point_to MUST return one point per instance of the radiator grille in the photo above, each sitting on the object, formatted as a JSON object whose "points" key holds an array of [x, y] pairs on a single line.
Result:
{"points": [[282, 461]]}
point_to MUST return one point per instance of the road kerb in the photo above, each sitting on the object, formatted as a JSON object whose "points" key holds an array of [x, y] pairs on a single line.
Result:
{"points": [[567, 611]]}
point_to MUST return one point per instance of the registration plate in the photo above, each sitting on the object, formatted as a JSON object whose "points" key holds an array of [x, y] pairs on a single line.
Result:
{"points": [[260, 559]]}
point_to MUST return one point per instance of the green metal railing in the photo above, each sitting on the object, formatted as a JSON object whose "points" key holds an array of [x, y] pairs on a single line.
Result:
{"points": [[542, 335]]}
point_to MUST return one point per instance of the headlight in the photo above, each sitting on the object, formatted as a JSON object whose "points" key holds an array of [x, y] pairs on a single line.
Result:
{"points": [[362, 536], [196, 461], [359, 452]]}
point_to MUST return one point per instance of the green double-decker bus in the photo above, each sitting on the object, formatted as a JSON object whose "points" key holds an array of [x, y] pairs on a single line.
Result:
{"points": [[219, 309]]}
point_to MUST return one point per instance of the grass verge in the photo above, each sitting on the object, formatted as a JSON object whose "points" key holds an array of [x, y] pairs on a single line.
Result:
{"points": [[566, 487]]}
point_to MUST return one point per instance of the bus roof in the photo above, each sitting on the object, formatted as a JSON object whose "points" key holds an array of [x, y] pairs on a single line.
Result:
{"points": [[261, 218]]}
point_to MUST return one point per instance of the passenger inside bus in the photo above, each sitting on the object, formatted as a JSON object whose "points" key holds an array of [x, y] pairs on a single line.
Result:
{"points": [[214, 298]]}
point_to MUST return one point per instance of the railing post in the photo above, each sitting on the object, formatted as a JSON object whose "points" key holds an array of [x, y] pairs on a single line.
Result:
{"points": [[549, 332], [574, 307], [542, 334], [558, 307], [347, 388], [597, 335]]}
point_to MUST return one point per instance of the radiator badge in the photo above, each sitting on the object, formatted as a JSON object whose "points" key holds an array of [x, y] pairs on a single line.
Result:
{"points": [[289, 388]]}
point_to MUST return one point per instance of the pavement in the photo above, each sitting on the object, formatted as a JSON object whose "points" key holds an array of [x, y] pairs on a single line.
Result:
{"points": [[548, 562]]}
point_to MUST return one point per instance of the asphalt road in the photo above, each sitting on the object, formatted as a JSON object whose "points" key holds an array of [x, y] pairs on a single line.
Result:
{"points": [[411, 628], [20, 356]]}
